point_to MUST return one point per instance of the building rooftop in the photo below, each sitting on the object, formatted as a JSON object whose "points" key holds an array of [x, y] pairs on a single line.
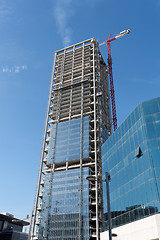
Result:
{"points": [[10, 218]]}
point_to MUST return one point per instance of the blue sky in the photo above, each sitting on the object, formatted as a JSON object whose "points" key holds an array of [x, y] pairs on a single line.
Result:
{"points": [[30, 33]]}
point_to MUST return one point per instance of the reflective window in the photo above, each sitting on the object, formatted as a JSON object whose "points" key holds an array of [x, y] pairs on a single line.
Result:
{"points": [[135, 184], [155, 106], [151, 130], [157, 126], [156, 156], [67, 140], [69, 207], [146, 108]]}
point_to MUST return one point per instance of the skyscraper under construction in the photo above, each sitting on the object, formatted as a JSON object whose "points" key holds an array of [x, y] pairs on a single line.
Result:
{"points": [[78, 121]]}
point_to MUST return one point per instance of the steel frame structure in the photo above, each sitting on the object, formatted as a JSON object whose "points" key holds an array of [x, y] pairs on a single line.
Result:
{"points": [[79, 87]]}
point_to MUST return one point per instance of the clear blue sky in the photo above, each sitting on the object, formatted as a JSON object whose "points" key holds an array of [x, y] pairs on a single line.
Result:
{"points": [[31, 30]]}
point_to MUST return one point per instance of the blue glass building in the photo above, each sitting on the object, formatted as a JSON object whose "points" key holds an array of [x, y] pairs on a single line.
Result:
{"points": [[78, 121], [132, 156]]}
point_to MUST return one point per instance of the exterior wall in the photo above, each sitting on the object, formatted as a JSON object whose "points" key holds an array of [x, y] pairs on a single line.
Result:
{"points": [[78, 121], [11, 228], [135, 180], [13, 235], [147, 229], [19, 236], [68, 137], [64, 205]]}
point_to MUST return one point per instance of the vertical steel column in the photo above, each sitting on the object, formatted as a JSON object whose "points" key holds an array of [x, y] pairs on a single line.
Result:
{"points": [[33, 218], [99, 127], [59, 102], [70, 107], [51, 177], [50, 187], [81, 151], [95, 143]]}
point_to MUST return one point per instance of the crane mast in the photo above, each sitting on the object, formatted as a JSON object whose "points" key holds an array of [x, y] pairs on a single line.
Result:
{"points": [[114, 115], [108, 41]]}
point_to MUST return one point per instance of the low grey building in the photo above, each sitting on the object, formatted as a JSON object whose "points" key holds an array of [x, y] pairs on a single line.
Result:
{"points": [[11, 228]]}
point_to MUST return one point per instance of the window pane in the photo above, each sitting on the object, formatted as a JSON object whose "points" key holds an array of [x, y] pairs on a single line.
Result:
{"points": [[146, 108], [151, 130], [156, 157], [154, 106], [157, 125]]}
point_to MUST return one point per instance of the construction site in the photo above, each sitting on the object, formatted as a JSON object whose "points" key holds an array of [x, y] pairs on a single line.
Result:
{"points": [[78, 121]]}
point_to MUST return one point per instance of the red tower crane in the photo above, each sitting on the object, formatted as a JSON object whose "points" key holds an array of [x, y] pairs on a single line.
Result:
{"points": [[121, 34]]}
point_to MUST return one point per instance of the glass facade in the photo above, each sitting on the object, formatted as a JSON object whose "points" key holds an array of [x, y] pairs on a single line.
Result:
{"points": [[65, 211], [67, 145], [135, 179], [78, 121], [65, 202]]}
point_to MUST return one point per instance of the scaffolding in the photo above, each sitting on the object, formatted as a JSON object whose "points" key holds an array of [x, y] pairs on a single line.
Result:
{"points": [[79, 88]]}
